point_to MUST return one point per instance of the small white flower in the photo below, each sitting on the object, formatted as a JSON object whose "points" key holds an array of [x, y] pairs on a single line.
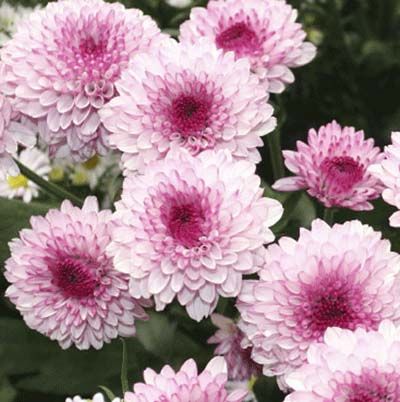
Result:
{"points": [[179, 3], [96, 398], [19, 186]]}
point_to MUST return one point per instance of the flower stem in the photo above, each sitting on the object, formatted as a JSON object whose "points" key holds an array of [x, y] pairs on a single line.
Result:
{"points": [[50, 188], [275, 151], [124, 367], [329, 215]]}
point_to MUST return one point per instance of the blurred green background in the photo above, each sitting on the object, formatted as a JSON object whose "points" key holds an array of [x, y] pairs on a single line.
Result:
{"points": [[355, 79]]}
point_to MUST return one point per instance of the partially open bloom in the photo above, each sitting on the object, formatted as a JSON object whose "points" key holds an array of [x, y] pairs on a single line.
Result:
{"points": [[232, 344], [351, 366], [64, 284], [12, 134], [186, 385], [191, 96], [333, 167], [96, 398], [190, 227], [80, 48], [264, 32], [344, 276], [388, 172], [21, 187]]}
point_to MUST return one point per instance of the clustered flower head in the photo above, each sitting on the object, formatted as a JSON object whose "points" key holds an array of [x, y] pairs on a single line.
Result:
{"points": [[191, 227], [64, 284], [333, 167], [186, 385], [344, 276], [80, 49], [12, 134], [356, 366], [19, 186], [231, 343], [388, 173], [191, 96], [264, 32]]}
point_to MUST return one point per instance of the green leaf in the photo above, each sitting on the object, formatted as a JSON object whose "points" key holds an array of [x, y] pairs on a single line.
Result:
{"points": [[15, 215], [7, 392]]}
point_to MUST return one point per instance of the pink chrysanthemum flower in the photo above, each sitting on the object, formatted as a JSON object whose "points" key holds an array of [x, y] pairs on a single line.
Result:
{"points": [[232, 344], [186, 385], [351, 366], [12, 134], [190, 227], [62, 64], [192, 96], [344, 276], [388, 172], [333, 167], [264, 32], [64, 284]]}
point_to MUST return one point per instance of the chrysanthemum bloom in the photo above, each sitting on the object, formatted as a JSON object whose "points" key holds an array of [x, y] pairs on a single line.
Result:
{"points": [[186, 385], [20, 186], [351, 366], [64, 284], [388, 172], [62, 64], [342, 276], [190, 227], [230, 342], [96, 398], [264, 32], [12, 134], [333, 167], [192, 96]]}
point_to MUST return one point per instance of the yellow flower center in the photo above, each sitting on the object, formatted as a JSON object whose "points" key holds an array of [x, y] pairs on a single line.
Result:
{"points": [[91, 163], [56, 174], [79, 178], [16, 182]]}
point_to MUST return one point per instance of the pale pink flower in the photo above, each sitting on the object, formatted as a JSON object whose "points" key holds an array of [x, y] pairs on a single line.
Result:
{"points": [[186, 385], [64, 284], [344, 276], [264, 32], [388, 172], [351, 366], [62, 64], [191, 96], [333, 167], [233, 346], [12, 134], [190, 227]]}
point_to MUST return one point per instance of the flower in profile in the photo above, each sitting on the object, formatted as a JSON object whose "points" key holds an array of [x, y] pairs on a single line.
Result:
{"points": [[232, 345], [191, 96], [64, 284], [191, 227], [186, 384], [80, 49], [20, 186], [333, 167], [388, 172], [96, 398], [12, 134], [354, 366], [264, 32], [344, 276]]}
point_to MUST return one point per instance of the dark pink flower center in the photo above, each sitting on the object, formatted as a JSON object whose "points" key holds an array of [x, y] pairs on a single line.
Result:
{"points": [[341, 172], [190, 114], [370, 387], [185, 224], [74, 277], [239, 38], [332, 301]]}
